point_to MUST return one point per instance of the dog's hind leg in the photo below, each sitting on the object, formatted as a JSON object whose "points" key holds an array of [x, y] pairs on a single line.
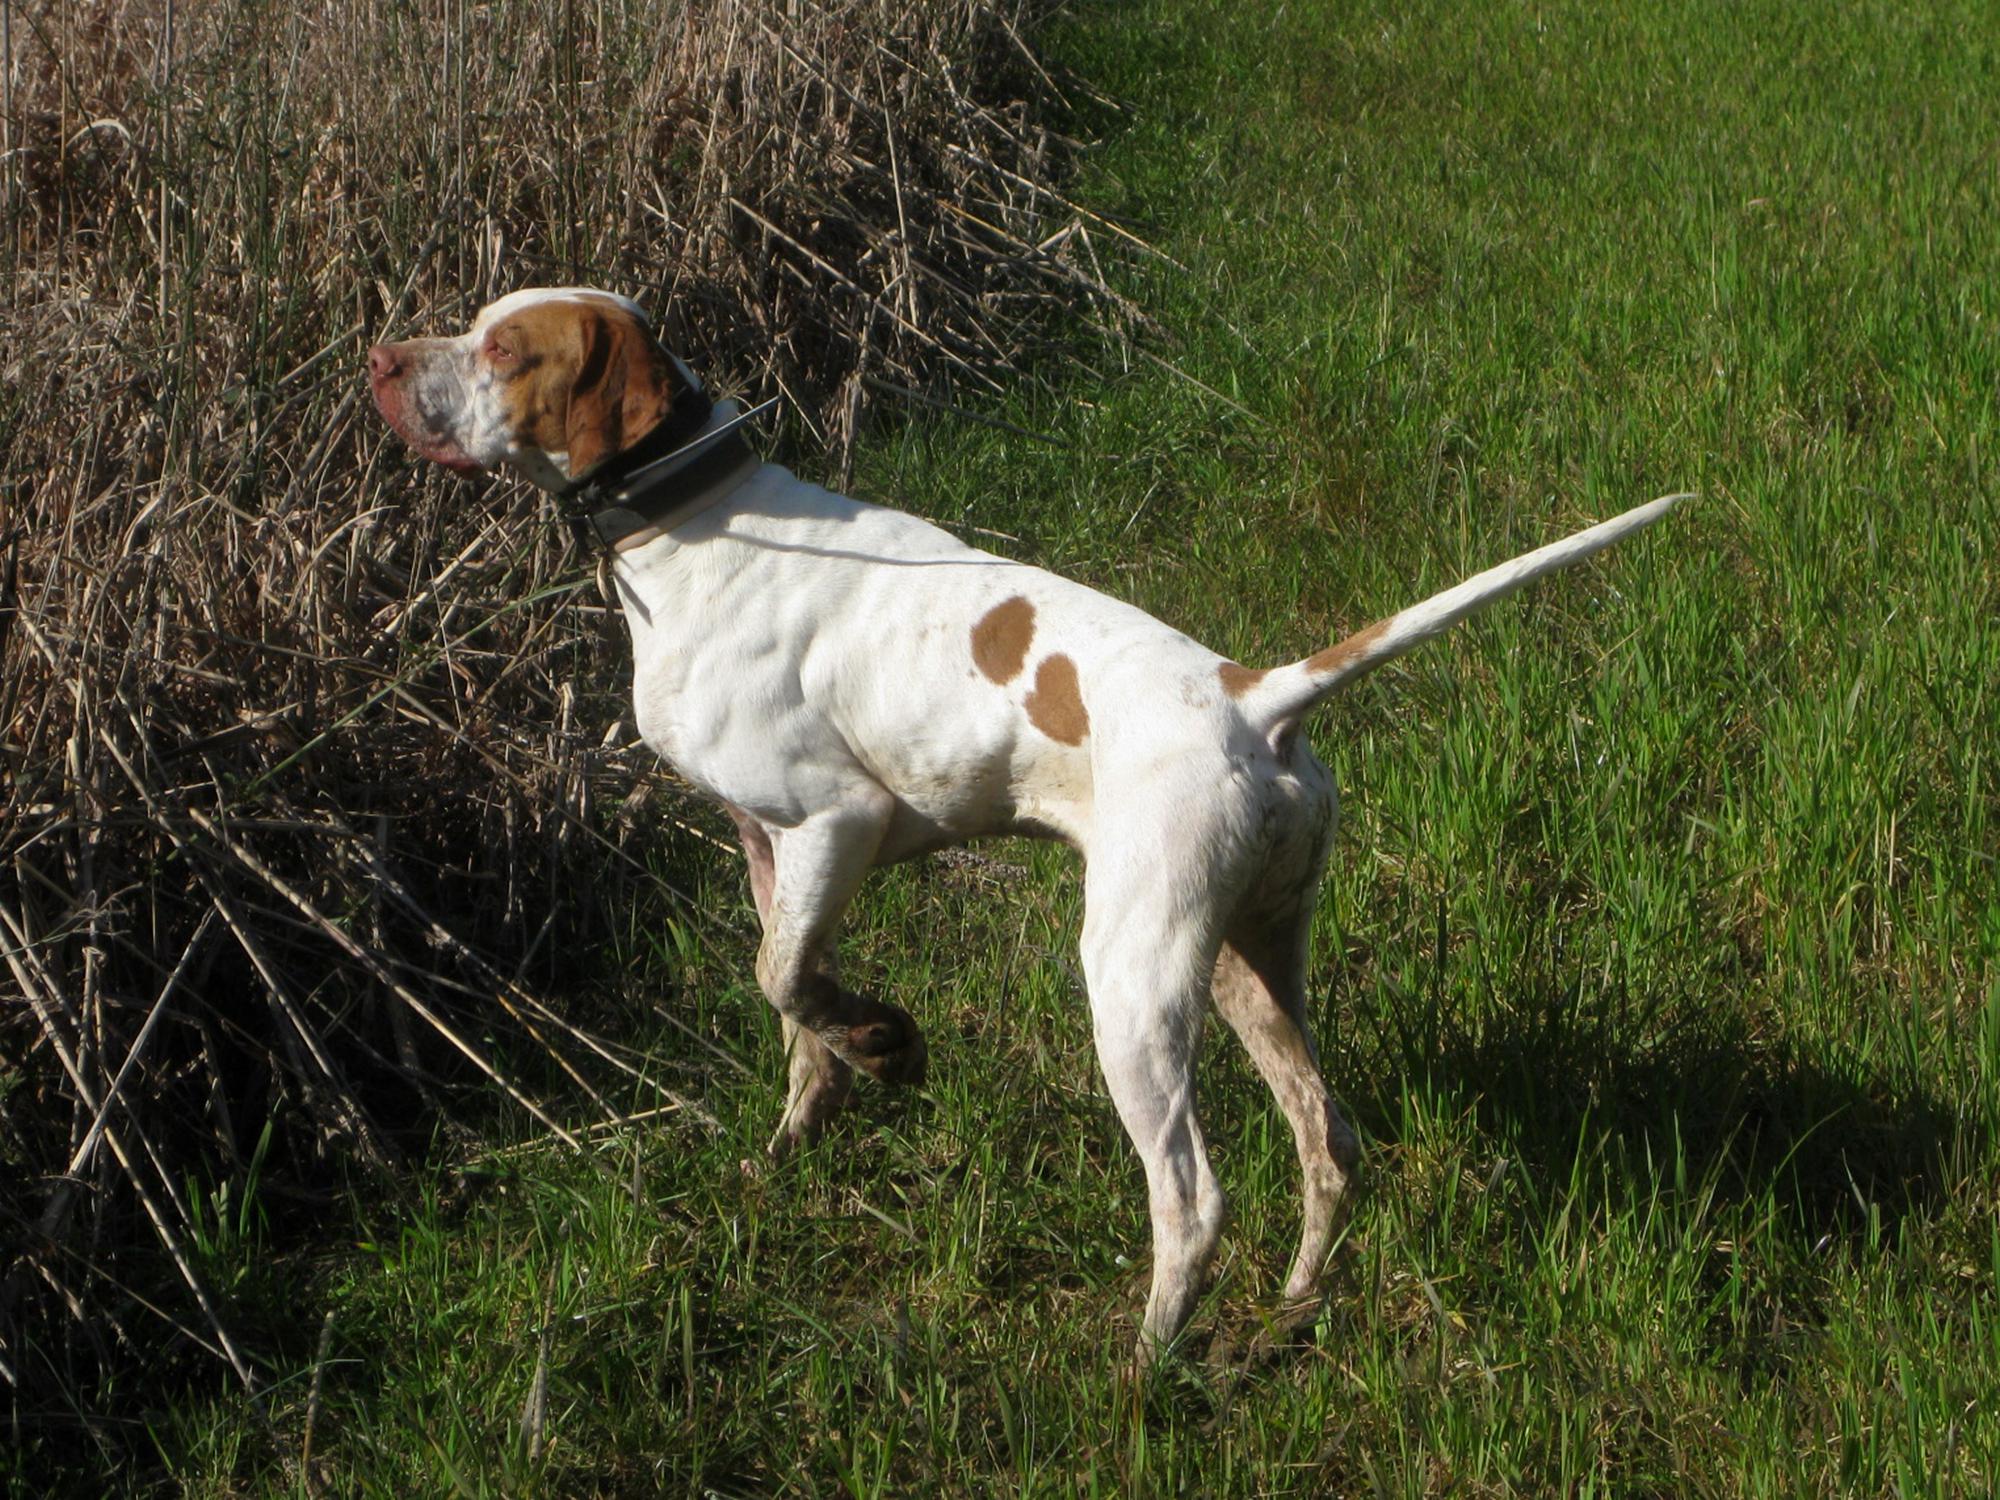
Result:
{"points": [[817, 1083], [1260, 988], [817, 868], [1147, 992]]}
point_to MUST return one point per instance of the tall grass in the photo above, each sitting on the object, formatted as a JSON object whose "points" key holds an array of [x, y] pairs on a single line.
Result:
{"points": [[294, 783]]}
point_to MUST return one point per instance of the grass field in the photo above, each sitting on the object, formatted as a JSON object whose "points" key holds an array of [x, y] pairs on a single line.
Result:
{"points": [[1659, 963]]}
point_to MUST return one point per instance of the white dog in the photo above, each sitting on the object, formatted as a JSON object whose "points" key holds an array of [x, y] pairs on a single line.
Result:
{"points": [[856, 687]]}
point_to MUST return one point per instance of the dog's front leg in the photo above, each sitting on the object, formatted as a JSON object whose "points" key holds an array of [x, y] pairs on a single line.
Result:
{"points": [[817, 1083], [815, 870]]}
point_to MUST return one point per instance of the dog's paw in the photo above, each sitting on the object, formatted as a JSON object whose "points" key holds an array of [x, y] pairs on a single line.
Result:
{"points": [[886, 1045]]}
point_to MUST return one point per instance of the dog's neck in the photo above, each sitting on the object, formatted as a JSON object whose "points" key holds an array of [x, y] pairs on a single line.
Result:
{"points": [[675, 473]]}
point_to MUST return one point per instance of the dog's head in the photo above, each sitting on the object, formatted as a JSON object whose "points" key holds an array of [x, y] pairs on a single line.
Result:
{"points": [[551, 380]]}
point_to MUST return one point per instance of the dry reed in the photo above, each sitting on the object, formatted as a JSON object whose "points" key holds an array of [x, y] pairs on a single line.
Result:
{"points": [[299, 747]]}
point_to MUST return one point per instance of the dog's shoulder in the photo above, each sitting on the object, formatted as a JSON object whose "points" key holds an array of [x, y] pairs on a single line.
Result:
{"points": [[776, 504]]}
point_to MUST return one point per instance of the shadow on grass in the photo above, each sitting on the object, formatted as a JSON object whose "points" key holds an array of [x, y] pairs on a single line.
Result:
{"points": [[1554, 1070]]}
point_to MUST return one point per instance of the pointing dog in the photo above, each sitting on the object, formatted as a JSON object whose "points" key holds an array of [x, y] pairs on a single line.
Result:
{"points": [[856, 687]]}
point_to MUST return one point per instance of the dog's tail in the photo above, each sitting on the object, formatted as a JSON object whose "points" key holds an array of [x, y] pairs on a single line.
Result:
{"points": [[1276, 700]]}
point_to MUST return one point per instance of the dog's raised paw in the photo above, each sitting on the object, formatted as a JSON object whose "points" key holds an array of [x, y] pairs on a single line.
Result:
{"points": [[886, 1045]]}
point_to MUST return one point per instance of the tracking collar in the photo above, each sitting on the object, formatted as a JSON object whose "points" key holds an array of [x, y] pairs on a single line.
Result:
{"points": [[672, 474]]}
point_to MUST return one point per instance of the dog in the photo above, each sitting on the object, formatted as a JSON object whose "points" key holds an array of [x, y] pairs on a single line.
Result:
{"points": [[856, 686]]}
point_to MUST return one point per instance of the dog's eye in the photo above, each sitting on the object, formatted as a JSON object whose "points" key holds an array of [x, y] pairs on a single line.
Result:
{"points": [[498, 352]]}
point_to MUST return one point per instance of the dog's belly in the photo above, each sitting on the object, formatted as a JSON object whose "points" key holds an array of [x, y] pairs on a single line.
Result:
{"points": [[1014, 791]]}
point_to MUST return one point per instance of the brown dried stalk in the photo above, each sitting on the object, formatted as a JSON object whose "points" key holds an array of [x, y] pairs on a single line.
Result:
{"points": [[300, 747]]}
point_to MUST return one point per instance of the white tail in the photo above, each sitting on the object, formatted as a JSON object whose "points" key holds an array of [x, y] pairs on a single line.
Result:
{"points": [[1278, 699]]}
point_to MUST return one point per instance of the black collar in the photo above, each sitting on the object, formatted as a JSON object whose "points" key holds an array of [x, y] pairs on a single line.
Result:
{"points": [[668, 477], [690, 410]]}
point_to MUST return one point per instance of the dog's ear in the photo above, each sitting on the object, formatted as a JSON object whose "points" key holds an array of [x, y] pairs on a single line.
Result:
{"points": [[624, 386]]}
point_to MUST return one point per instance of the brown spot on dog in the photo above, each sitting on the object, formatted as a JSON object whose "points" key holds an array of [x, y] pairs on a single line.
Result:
{"points": [[1001, 638], [1056, 705], [1343, 653], [1236, 681]]}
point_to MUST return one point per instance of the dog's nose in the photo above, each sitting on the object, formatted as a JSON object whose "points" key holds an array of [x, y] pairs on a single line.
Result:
{"points": [[383, 363]]}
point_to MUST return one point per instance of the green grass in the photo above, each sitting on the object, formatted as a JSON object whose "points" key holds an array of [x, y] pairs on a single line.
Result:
{"points": [[1658, 958]]}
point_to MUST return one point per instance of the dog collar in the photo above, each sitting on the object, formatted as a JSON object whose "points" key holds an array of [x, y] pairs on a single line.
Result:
{"points": [[659, 484]]}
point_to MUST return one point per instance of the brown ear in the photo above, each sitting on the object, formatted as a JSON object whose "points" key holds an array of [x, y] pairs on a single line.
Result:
{"points": [[623, 387]]}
